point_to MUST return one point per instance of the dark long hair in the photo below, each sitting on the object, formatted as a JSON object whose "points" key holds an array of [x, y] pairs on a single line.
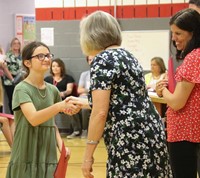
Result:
{"points": [[187, 20], [61, 65]]}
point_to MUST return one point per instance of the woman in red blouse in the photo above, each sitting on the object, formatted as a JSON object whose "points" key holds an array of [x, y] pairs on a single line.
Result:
{"points": [[183, 115]]}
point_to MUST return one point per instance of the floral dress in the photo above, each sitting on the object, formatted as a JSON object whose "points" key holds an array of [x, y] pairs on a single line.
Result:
{"points": [[133, 134]]}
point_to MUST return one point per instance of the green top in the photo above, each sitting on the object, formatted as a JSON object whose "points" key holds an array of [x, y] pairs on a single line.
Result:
{"points": [[34, 149], [14, 65]]}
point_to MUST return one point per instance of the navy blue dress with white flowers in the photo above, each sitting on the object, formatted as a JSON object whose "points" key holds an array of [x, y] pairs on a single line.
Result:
{"points": [[134, 135]]}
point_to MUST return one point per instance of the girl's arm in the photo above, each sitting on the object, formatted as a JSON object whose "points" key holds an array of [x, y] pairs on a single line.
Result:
{"points": [[38, 117], [60, 143]]}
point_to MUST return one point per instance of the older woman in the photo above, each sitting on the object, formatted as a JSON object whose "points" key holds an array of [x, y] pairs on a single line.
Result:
{"points": [[121, 108]]}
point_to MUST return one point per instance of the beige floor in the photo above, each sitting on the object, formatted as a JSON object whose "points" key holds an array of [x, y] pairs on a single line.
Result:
{"points": [[74, 168]]}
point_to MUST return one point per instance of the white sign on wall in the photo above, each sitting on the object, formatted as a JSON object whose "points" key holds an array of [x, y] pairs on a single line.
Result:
{"points": [[47, 36]]}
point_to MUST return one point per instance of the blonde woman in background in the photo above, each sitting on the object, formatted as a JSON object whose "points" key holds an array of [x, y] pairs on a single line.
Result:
{"points": [[14, 64], [158, 72]]}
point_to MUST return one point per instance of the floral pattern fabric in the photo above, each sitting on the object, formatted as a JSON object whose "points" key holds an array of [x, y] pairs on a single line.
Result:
{"points": [[134, 134], [14, 65]]}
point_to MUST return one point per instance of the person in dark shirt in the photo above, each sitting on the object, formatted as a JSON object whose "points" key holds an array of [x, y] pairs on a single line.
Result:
{"points": [[65, 84]]}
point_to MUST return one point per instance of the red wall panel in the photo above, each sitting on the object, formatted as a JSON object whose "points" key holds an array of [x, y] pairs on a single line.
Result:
{"points": [[43, 14], [80, 12], [153, 11], [109, 9], [165, 10], [128, 11], [91, 9], [69, 13], [58, 14], [178, 7], [119, 12], [140, 11], [137, 11]]}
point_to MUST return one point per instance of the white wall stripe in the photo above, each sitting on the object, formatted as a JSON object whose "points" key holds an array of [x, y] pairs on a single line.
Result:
{"points": [[104, 2], [48, 3], [68, 3], [80, 3], [152, 2], [140, 2], [127, 2], [165, 1], [177, 1], [94, 3]]}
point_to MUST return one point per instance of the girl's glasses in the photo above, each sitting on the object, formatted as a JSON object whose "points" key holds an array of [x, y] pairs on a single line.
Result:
{"points": [[41, 56]]}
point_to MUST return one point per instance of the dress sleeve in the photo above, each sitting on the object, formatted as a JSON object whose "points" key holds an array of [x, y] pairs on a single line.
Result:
{"points": [[102, 74], [20, 96], [190, 68]]}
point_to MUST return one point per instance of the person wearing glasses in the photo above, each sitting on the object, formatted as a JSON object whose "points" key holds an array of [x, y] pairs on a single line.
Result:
{"points": [[14, 63], [35, 102]]}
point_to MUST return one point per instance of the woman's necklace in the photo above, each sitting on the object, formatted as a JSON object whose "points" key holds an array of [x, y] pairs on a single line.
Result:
{"points": [[56, 80]]}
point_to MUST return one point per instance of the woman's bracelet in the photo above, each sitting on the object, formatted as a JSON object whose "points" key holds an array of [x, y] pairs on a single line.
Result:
{"points": [[92, 142], [89, 160]]}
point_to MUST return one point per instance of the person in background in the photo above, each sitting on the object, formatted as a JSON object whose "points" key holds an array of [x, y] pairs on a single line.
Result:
{"points": [[83, 88], [121, 109], [8, 125], [194, 4], [59, 78], [3, 65], [64, 83], [158, 72], [35, 103], [8, 129], [183, 114], [14, 64]]}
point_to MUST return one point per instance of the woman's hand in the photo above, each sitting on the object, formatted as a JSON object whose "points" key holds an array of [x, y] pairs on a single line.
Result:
{"points": [[71, 107], [160, 86], [87, 168], [82, 102]]}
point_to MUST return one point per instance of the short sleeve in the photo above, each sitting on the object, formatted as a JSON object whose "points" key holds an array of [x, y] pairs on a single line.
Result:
{"points": [[190, 68], [20, 96], [82, 79], [102, 74], [70, 79]]}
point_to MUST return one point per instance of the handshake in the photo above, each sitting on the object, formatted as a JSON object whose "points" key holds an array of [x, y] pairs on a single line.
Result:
{"points": [[73, 105]]}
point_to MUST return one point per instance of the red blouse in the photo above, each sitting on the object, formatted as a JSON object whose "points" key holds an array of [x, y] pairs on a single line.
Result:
{"points": [[184, 124]]}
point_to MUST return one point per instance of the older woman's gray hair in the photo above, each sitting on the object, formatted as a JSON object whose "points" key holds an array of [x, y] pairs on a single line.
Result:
{"points": [[98, 31]]}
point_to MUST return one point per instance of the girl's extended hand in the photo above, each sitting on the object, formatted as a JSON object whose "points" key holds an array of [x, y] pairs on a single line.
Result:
{"points": [[71, 107]]}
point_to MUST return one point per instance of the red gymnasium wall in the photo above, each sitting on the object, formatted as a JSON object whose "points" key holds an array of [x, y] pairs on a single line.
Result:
{"points": [[122, 12]]}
